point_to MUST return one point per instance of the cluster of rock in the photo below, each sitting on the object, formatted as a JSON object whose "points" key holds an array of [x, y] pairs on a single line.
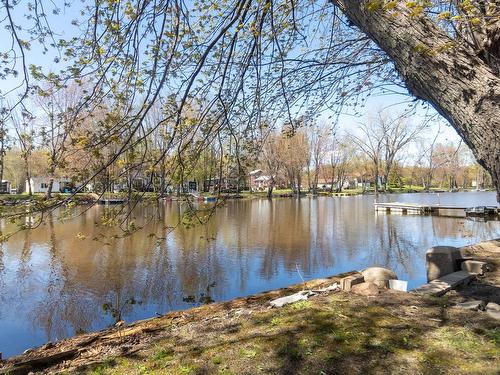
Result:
{"points": [[369, 281], [445, 260]]}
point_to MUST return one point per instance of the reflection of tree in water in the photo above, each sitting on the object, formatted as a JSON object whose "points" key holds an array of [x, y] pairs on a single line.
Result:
{"points": [[480, 229], [293, 235], [395, 246], [115, 273], [62, 307], [2, 275], [24, 271]]}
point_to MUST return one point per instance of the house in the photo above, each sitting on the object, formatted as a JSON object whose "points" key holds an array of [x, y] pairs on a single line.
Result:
{"points": [[41, 185], [324, 183], [259, 181], [5, 187], [189, 187], [362, 184], [262, 182], [253, 176]]}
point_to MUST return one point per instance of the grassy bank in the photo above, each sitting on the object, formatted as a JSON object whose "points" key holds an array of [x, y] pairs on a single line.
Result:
{"points": [[332, 333]]}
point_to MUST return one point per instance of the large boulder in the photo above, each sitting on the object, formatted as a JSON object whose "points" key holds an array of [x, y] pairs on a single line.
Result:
{"points": [[380, 276], [493, 310], [442, 260]]}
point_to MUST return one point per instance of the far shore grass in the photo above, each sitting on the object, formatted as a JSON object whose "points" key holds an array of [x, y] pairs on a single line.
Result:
{"points": [[245, 194]]}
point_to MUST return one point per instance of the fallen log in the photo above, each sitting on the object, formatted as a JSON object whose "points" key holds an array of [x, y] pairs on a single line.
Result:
{"points": [[26, 366]]}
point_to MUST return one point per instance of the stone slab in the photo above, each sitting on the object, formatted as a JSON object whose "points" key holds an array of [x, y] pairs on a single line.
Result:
{"points": [[442, 285], [400, 285]]}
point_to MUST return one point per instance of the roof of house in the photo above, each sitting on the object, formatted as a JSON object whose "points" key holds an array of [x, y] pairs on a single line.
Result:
{"points": [[263, 178]]}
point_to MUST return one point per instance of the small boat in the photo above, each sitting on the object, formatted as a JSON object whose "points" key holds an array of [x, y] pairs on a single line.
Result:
{"points": [[109, 201], [210, 199]]}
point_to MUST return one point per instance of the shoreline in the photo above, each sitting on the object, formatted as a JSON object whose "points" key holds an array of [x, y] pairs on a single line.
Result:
{"points": [[84, 352], [38, 199], [148, 325]]}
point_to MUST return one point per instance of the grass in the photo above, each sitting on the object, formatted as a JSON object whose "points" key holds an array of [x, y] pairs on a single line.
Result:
{"points": [[331, 334]]}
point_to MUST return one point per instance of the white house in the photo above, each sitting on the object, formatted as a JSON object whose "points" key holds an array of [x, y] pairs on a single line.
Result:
{"points": [[262, 182], [41, 184]]}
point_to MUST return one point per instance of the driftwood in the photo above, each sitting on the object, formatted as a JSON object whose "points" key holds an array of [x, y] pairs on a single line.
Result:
{"points": [[24, 367]]}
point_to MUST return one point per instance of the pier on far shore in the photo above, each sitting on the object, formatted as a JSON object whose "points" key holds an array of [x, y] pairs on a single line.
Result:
{"points": [[436, 209]]}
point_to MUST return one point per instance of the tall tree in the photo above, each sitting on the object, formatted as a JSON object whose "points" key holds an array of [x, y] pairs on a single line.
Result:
{"points": [[272, 58], [318, 136], [456, 69], [371, 143]]}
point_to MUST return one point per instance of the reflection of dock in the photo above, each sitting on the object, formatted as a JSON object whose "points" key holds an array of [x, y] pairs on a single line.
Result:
{"points": [[434, 209]]}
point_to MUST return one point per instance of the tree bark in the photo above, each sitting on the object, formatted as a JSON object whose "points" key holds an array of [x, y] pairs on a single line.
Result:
{"points": [[270, 189], [442, 71], [48, 195]]}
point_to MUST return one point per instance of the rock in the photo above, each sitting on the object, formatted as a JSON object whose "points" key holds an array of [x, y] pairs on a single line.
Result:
{"points": [[346, 283], [441, 260], [380, 276], [471, 305], [474, 266], [365, 289], [493, 310]]}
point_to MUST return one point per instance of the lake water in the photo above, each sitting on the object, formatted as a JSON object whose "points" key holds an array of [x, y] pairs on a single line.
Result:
{"points": [[54, 280]]}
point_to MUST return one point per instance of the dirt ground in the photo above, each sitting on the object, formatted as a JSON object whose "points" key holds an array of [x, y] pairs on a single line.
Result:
{"points": [[331, 333]]}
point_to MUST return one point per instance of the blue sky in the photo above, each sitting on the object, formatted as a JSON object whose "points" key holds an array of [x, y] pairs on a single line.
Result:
{"points": [[61, 25]]}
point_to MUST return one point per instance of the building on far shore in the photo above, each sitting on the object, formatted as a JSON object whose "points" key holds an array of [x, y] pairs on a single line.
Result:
{"points": [[259, 181], [5, 187], [41, 185]]}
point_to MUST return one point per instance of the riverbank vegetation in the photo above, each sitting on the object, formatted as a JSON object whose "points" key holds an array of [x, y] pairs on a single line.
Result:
{"points": [[335, 334], [332, 333]]}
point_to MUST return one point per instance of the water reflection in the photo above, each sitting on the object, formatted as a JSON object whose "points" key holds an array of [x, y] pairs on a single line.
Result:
{"points": [[55, 279]]}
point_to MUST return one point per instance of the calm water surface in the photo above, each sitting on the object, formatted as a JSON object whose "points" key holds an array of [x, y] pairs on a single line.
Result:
{"points": [[55, 279]]}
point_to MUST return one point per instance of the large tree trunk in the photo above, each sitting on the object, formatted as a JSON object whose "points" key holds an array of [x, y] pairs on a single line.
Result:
{"points": [[446, 73]]}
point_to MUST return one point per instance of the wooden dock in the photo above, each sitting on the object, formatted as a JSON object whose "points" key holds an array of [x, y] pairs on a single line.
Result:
{"points": [[429, 209]]}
